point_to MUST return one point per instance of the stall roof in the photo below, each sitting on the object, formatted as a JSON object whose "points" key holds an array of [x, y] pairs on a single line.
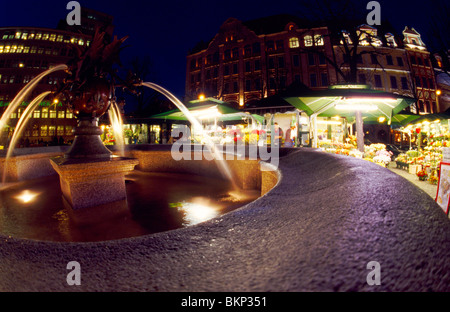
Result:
{"points": [[328, 102]]}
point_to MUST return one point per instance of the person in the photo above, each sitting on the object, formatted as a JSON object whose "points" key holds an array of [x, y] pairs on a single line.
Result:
{"points": [[278, 135], [290, 136]]}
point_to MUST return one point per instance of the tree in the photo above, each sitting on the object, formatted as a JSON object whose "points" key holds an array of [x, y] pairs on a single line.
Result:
{"points": [[349, 42]]}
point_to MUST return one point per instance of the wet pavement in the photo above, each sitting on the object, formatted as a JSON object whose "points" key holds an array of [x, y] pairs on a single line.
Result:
{"points": [[317, 230]]}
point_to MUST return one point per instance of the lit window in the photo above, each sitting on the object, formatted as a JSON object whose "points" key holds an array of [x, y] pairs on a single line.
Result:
{"points": [[69, 130], [60, 38], [51, 130], [1, 50], [52, 114], [5, 36], [45, 112], [60, 114], [69, 114], [26, 49], [81, 42], [31, 36], [13, 115], [52, 37], [308, 41], [38, 36], [33, 49], [24, 36], [318, 39], [45, 37], [293, 42], [13, 49], [40, 50], [20, 49], [60, 130], [19, 112], [72, 40], [44, 130], [18, 35], [37, 114], [7, 48]]}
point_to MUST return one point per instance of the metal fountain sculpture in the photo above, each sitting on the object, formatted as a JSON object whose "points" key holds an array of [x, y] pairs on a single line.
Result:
{"points": [[89, 174]]}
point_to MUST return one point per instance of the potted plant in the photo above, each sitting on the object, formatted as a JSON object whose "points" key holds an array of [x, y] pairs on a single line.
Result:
{"points": [[423, 175]]}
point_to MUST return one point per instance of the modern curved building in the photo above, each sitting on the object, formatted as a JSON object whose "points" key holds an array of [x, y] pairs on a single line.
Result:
{"points": [[25, 52]]}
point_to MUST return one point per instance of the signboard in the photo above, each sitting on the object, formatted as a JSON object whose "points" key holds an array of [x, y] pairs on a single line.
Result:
{"points": [[443, 191], [446, 154]]}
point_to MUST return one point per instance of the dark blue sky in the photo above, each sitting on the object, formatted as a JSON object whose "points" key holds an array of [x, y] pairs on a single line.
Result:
{"points": [[166, 30]]}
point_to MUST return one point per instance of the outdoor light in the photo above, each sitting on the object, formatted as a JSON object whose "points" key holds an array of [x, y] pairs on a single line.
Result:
{"points": [[55, 101], [438, 92], [26, 196], [210, 112], [356, 107], [369, 99], [201, 97], [329, 122], [381, 119], [22, 65]]}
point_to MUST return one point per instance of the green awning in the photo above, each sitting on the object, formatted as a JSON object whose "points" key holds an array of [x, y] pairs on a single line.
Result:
{"points": [[326, 102]]}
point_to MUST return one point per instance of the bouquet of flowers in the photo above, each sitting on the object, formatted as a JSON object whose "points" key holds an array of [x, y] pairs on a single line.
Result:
{"points": [[422, 174]]}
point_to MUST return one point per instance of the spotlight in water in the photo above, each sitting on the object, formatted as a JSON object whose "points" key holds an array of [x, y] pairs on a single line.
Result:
{"points": [[26, 196], [196, 213]]}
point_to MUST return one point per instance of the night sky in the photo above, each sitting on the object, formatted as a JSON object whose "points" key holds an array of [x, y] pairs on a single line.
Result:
{"points": [[166, 30]]}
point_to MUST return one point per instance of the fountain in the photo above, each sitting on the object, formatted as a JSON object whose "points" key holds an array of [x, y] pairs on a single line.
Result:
{"points": [[94, 182]]}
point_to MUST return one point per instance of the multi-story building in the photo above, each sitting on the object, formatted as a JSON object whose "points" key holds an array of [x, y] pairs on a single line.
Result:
{"points": [[248, 61], [422, 73], [25, 52]]}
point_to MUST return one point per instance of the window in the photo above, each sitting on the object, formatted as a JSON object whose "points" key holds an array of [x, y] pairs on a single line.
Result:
{"points": [[51, 130], [226, 70], [235, 68], [257, 65], [38, 36], [60, 130], [293, 42], [257, 84], [271, 63], [297, 78], [418, 82], [424, 82], [324, 79], [313, 80], [281, 62], [378, 83], [322, 60], [311, 59], [235, 87], [247, 67], [296, 60], [37, 114], [59, 38], [373, 58], [393, 82], [270, 45], [52, 114], [68, 130], [247, 50], [45, 37], [318, 40], [280, 45], [60, 114], [272, 83], [404, 83], [399, 61], [69, 114], [430, 83], [362, 78], [413, 59], [52, 37], [419, 61], [308, 41], [247, 85], [389, 60], [44, 130]]}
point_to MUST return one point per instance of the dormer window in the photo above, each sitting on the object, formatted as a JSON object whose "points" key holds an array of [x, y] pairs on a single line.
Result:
{"points": [[293, 42]]}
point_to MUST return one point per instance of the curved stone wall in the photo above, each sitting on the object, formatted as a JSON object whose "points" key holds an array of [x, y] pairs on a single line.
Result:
{"points": [[316, 230]]}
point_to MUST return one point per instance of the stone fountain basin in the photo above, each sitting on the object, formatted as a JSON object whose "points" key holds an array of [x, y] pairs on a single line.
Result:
{"points": [[327, 217]]}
